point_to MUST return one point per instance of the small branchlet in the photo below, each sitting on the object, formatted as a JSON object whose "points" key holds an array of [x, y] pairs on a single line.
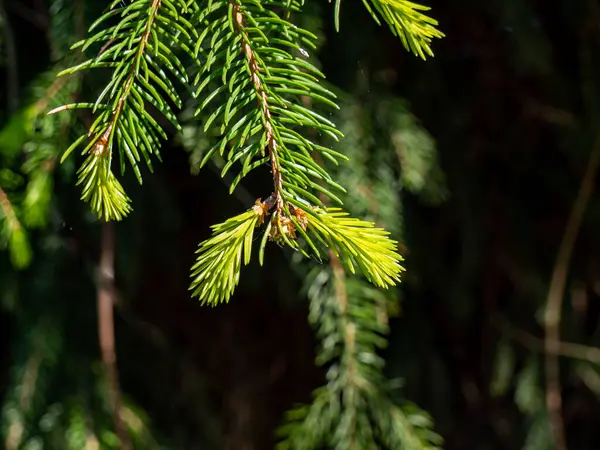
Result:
{"points": [[358, 244]]}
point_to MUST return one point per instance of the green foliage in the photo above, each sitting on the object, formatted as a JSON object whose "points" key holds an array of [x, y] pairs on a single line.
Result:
{"points": [[416, 152], [34, 417], [217, 270], [358, 243], [263, 102], [141, 51], [259, 64], [13, 234], [354, 408], [484, 254], [253, 64], [528, 395], [267, 93], [405, 19], [66, 22], [30, 143], [101, 188]]}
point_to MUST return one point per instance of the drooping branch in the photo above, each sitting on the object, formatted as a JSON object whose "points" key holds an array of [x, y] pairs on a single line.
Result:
{"points": [[252, 90], [156, 4]]}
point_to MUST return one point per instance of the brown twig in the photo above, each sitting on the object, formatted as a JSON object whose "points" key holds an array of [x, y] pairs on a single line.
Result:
{"points": [[264, 105], [554, 300], [106, 327], [566, 349]]}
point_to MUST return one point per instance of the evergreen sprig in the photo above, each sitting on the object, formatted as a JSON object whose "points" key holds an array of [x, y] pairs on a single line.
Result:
{"points": [[140, 49], [257, 73], [360, 244], [405, 19], [217, 270]]}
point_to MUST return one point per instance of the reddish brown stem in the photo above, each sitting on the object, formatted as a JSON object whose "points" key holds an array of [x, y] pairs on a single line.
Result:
{"points": [[106, 327]]}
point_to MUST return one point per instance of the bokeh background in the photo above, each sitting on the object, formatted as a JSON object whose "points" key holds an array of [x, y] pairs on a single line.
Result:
{"points": [[473, 159]]}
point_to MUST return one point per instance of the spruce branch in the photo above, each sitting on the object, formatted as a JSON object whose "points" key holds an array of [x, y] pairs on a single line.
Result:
{"points": [[256, 66], [254, 75], [353, 410], [405, 19], [217, 269], [100, 187], [141, 51]]}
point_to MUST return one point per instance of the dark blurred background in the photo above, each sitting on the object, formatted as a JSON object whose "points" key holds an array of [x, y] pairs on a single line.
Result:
{"points": [[501, 124]]}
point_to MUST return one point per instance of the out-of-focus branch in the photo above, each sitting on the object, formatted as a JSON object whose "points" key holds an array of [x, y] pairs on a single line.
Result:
{"points": [[554, 300], [106, 327], [565, 349], [8, 211]]}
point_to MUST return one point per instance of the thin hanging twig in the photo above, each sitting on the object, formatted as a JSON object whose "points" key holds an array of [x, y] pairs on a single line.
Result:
{"points": [[554, 300], [106, 327], [565, 349]]}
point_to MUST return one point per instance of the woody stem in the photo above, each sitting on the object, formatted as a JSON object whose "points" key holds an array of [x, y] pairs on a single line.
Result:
{"points": [[261, 93]]}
